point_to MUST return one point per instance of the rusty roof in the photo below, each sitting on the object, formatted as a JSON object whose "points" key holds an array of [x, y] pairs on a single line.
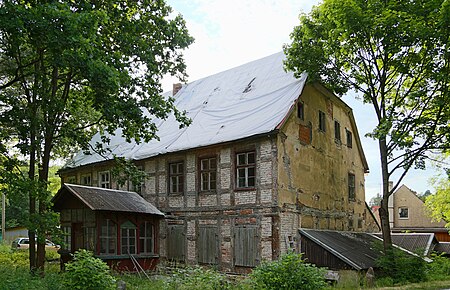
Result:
{"points": [[102, 199]]}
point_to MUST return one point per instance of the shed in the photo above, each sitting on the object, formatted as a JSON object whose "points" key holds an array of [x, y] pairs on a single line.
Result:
{"points": [[120, 227]]}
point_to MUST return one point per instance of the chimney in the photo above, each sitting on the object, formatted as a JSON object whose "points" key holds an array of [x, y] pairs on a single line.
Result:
{"points": [[176, 88]]}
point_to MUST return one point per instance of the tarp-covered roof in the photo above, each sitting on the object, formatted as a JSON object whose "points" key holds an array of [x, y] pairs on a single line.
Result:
{"points": [[102, 199], [244, 101]]}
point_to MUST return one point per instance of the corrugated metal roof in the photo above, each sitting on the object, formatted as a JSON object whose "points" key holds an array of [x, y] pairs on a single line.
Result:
{"points": [[355, 249], [419, 243], [109, 199], [244, 101]]}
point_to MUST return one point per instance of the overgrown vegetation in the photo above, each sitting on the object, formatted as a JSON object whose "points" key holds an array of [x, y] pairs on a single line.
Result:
{"points": [[290, 272], [88, 272]]}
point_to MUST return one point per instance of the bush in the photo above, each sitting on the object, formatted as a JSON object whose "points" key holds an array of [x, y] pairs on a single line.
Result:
{"points": [[289, 272], [88, 272], [439, 269], [196, 278], [402, 267]]}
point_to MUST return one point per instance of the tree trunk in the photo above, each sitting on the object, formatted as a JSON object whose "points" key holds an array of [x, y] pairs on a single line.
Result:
{"points": [[32, 200], [384, 209], [43, 179]]}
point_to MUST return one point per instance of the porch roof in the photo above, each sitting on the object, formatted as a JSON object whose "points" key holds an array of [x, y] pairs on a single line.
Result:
{"points": [[103, 199]]}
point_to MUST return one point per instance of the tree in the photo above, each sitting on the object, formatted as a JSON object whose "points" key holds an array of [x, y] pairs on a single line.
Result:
{"points": [[438, 204], [72, 68], [376, 200], [395, 54]]}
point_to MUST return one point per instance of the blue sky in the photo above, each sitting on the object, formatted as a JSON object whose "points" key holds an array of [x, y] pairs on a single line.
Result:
{"points": [[229, 33]]}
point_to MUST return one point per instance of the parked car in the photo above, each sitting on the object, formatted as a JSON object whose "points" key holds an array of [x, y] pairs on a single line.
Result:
{"points": [[24, 244]]}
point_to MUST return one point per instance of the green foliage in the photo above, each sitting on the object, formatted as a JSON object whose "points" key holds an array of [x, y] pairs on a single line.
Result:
{"points": [[401, 268], [88, 272], [289, 272], [438, 204], [439, 269], [196, 278]]}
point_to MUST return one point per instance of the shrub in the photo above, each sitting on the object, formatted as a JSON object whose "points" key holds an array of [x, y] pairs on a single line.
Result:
{"points": [[88, 272], [289, 272], [197, 278], [402, 267], [439, 269]]}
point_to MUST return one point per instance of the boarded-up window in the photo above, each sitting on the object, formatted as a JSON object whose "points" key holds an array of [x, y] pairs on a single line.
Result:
{"points": [[351, 186], [208, 245], [176, 242], [246, 246]]}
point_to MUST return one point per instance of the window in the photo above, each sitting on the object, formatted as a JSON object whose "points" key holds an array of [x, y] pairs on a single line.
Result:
{"points": [[245, 170], [349, 138], [138, 186], [300, 110], [208, 169], [176, 242], [104, 180], [72, 179], [403, 212], [67, 238], [337, 131], [351, 186], [108, 237], [146, 238], [322, 126], [176, 177], [89, 238], [208, 244], [86, 179], [128, 238], [245, 246]]}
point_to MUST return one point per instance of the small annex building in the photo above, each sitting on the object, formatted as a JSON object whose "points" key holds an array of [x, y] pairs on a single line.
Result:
{"points": [[113, 224], [265, 155]]}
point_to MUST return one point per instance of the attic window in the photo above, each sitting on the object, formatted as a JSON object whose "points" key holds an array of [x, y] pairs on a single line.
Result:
{"points": [[249, 86]]}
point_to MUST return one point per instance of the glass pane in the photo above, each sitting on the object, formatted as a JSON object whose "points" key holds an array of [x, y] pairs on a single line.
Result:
{"points": [[204, 163], [212, 180], [149, 231], [141, 245], [149, 247], [180, 168], [251, 172], [251, 182], [180, 183], [241, 182], [212, 164], [103, 243], [241, 172], [241, 159], [173, 184], [251, 158]]}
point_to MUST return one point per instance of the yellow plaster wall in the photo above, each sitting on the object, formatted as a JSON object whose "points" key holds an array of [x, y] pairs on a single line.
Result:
{"points": [[314, 176]]}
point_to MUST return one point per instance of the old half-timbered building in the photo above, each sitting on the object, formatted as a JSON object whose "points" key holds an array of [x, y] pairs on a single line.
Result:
{"points": [[266, 154]]}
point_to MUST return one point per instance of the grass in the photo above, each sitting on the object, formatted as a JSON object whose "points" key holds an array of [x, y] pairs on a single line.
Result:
{"points": [[14, 274]]}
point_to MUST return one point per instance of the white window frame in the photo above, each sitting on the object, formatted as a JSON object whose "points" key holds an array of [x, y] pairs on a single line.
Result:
{"points": [[104, 182], [109, 238], [245, 168], [128, 241]]}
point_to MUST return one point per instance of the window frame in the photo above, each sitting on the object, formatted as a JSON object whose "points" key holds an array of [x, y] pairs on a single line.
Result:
{"points": [[209, 171], [322, 121], [337, 131], [72, 179], [301, 110], [102, 182], [144, 238], [83, 178], [179, 176], [128, 234], [246, 166], [349, 137], [108, 237], [401, 210], [351, 186], [89, 238]]}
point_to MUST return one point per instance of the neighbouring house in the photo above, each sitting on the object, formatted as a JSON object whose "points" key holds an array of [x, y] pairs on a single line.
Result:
{"points": [[114, 224], [266, 154], [15, 232], [407, 213]]}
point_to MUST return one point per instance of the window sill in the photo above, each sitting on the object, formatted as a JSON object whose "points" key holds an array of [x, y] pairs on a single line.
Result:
{"points": [[245, 189]]}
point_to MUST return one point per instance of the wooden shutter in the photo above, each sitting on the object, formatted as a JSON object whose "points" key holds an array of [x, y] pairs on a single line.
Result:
{"points": [[208, 244], [246, 246], [176, 243]]}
